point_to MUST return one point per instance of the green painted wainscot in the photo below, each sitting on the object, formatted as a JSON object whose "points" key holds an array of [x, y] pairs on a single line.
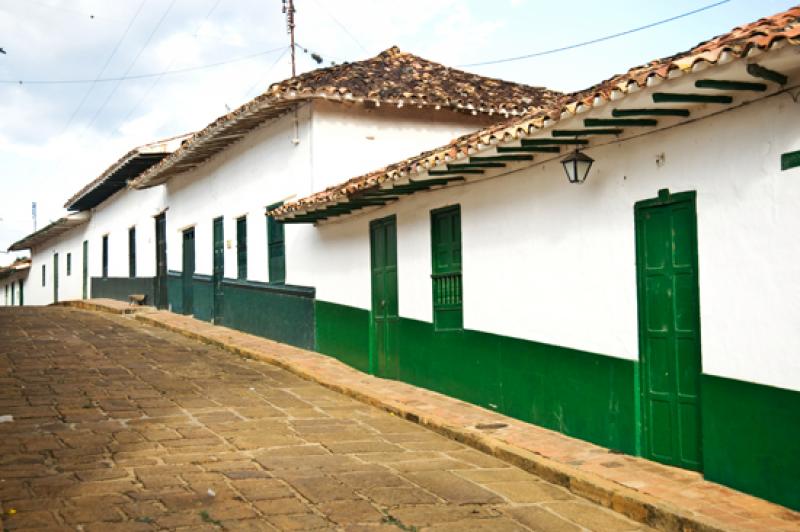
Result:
{"points": [[751, 438], [280, 312], [283, 313], [202, 306], [120, 288], [581, 394]]}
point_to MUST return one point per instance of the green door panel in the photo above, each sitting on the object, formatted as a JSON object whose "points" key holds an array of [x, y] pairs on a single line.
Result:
{"points": [[218, 270], [669, 329], [187, 273], [162, 299], [385, 301]]}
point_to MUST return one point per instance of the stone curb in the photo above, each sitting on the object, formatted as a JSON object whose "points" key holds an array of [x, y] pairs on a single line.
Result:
{"points": [[622, 499]]}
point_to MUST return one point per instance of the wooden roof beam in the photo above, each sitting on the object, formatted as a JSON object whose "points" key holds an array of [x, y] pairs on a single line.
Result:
{"points": [[676, 97], [758, 71], [528, 149], [726, 85], [655, 111]]}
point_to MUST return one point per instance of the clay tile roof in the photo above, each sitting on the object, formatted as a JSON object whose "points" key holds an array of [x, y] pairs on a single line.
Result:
{"points": [[19, 265], [395, 76], [762, 35], [126, 168], [50, 231], [392, 77]]}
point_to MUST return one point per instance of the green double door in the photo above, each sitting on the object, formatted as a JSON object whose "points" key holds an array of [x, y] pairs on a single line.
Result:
{"points": [[385, 316], [669, 329]]}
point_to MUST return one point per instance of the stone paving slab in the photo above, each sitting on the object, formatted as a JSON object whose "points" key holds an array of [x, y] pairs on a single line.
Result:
{"points": [[122, 426], [661, 496]]}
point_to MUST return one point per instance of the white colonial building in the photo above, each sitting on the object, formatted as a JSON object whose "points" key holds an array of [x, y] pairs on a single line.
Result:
{"points": [[650, 307]]}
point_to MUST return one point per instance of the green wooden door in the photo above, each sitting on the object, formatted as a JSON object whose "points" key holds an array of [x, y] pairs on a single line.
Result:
{"points": [[55, 278], [385, 316], [85, 272], [162, 300], [21, 294], [218, 270], [188, 272], [669, 328]]}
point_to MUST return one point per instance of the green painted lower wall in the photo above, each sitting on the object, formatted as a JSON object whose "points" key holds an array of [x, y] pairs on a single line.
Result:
{"points": [[751, 438], [120, 288], [175, 292], [581, 394], [278, 312], [343, 332], [203, 297], [281, 313]]}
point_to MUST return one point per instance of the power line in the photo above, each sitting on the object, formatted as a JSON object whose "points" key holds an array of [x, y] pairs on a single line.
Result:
{"points": [[253, 86], [105, 65], [140, 76], [599, 39], [171, 62], [133, 63], [342, 26]]}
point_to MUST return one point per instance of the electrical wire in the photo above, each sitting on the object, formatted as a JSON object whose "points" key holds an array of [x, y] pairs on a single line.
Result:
{"points": [[171, 62], [133, 63], [273, 65], [595, 41], [105, 65], [141, 76], [342, 26]]}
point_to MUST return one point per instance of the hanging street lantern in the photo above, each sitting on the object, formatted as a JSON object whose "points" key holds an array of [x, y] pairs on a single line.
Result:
{"points": [[577, 166]]}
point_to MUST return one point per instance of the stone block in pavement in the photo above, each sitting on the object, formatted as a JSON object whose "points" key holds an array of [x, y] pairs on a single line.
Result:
{"points": [[306, 521], [528, 491], [288, 505], [453, 488], [591, 516], [351, 512], [429, 514], [321, 489], [397, 496], [540, 519]]}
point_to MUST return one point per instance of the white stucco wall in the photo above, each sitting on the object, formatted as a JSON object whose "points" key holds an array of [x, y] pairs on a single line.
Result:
{"points": [[351, 140], [264, 168], [553, 262], [69, 286], [123, 210]]}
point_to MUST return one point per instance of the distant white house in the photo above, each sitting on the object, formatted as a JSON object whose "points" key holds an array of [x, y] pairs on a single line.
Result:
{"points": [[12, 282]]}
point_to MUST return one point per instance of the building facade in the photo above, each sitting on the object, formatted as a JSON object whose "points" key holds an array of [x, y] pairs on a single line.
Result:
{"points": [[649, 309]]}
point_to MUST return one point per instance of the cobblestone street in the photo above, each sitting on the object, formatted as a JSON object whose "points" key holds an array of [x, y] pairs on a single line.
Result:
{"points": [[121, 426]]}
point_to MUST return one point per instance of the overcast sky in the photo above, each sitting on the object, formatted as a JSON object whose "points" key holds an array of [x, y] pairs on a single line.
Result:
{"points": [[56, 137]]}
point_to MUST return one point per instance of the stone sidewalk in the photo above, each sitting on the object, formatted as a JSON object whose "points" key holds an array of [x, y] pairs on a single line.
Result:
{"points": [[660, 496], [122, 426]]}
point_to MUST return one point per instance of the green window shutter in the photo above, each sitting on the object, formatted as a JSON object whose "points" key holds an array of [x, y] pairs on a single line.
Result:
{"points": [[44, 275], [446, 276], [241, 247], [69, 264], [276, 248], [132, 252]]}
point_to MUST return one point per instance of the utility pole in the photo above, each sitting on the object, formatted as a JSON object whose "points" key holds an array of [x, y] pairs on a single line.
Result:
{"points": [[288, 8]]}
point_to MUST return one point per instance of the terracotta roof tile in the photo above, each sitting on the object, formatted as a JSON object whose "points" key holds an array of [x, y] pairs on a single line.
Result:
{"points": [[392, 77], [761, 35]]}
